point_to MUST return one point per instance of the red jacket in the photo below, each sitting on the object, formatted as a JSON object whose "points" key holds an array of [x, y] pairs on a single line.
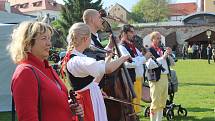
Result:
{"points": [[24, 88]]}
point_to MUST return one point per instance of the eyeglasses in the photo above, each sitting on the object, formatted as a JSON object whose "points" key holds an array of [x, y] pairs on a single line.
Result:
{"points": [[131, 31]]}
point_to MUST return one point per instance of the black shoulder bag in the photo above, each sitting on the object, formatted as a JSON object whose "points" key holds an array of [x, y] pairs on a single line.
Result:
{"points": [[39, 96]]}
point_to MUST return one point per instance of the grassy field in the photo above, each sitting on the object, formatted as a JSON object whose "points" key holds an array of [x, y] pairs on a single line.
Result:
{"points": [[196, 91]]}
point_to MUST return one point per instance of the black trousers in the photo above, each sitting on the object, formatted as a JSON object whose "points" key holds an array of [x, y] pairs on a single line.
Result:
{"points": [[209, 58]]}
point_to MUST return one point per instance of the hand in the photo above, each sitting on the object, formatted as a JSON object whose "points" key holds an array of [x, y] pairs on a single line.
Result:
{"points": [[77, 109], [148, 55], [126, 57], [110, 53], [104, 94], [167, 52]]}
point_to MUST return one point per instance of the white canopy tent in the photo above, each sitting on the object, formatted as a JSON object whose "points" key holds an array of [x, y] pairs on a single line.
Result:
{"points": [[6, 66]]}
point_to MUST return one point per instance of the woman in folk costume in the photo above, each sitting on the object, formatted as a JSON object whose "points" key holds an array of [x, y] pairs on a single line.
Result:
{"points": [[135, 67], [158, 86], [85, 73]]}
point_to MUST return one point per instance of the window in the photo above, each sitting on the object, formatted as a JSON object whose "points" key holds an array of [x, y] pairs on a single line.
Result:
{"points": [[53, 3], [16, 6], [37, 4], [214, 2], [25, 5]]}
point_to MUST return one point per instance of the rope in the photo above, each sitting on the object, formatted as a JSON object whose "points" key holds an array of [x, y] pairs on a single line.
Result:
{"points": [[122, 101]]}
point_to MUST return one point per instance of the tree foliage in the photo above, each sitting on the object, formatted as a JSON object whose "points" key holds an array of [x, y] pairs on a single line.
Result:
{"points": [[72, 12], [150, 10]]}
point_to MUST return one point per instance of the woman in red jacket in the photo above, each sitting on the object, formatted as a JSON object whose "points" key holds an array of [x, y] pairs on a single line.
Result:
{"points": [[29, 48]]}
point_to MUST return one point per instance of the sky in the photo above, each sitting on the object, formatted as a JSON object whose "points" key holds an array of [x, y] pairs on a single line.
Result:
{"points": [[129, 3]]}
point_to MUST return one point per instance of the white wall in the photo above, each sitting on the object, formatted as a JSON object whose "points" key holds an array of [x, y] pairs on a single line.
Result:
{"points": [[176, 18], [42, 13], [7, 68]]}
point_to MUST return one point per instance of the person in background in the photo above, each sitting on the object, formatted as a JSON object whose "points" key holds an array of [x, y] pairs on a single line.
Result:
{"points": [[213, 54], [94, 20], [184, 51], [135, 67], [190, 51], [85, 73], [200, 51], [195, 50], [29, 49], [158, 85], [209, 52]]}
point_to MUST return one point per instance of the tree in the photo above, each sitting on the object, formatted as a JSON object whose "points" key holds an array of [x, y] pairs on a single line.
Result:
{"points": [[72, 12], [151, 10]]}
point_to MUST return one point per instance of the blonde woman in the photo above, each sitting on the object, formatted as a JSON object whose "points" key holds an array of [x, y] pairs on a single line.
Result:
{"points": [[85, 73], [29, 49]]}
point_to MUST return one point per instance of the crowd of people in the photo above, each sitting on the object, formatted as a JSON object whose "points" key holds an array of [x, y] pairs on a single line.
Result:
{"points": [[40, 95], [196, 51]]}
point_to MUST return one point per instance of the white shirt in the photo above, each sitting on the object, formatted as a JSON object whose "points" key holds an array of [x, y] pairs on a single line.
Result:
{"points": [[82, 66], [137, 62], [150, 64]]}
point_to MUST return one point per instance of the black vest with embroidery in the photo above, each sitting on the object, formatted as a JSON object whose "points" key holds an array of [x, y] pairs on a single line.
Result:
{"points": [[154, 52], [130, 70], [78, 82], [156, 71], [93, 53]]}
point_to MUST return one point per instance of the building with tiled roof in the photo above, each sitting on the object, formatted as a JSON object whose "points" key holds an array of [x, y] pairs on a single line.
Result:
{"points": [[38, 8], [208, 5], [9, 15], [179, 10], [117, 11]]}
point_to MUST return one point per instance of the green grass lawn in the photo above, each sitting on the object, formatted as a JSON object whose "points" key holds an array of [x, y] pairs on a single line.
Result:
{"points": [[196, 91]]}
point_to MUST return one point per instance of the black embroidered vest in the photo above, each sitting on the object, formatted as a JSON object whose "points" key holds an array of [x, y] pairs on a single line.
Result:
{"points": [[130, 70], [95, 54]]}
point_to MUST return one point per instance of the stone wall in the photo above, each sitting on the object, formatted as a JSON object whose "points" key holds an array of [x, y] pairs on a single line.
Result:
{"points": [[182, 32]]}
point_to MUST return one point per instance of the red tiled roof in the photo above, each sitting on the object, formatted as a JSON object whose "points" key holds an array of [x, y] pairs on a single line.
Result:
{"points": [[181, 9]]}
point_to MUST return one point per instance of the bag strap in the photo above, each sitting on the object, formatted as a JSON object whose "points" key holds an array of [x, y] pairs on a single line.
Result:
{"points": [[168, 65], [13, 110], [39, 95]]}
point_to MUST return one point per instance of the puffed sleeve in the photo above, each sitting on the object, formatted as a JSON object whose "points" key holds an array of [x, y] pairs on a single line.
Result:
{"points": [[136, 61], [25, 93], [84, 66], [150, 64]]}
